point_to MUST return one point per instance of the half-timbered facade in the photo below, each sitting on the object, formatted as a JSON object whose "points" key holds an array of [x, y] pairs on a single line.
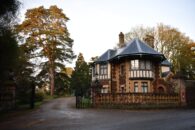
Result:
{"points": [[134, 67]]}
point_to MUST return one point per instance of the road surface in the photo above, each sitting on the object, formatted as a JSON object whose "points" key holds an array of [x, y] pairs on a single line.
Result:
{"points": [[60, 114]]}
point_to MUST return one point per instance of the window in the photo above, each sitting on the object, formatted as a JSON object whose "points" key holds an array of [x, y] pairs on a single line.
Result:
{"points": [[148, 65], [141, 64], [144, 87], [103, 69], [135, 87], [104, 90], [141, 69], [134, 64]]}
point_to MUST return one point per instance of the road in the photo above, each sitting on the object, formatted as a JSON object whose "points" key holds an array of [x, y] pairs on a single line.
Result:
{"points": [[60, 114]]}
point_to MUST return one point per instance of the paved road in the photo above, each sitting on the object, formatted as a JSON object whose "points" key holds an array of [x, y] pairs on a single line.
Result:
{"points": [[60, 114]]}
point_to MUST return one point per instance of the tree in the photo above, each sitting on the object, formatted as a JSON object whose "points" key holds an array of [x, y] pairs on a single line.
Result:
{"points": [[167, 40], [9, 50], [143, 33], [62, 84], [46, 35], [23, 76], [174, 45], [81, 77], [14, 66], [8, 54], [8, 11]]}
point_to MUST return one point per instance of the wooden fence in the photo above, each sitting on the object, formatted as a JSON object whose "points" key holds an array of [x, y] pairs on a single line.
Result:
{"points": [[109, 99]]}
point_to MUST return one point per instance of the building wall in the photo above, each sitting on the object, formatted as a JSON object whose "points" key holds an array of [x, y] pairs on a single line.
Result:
{"points": [[117, 76], [97, 70], [123, 84], [127, 66], [149, 82], [104, 81], [128, 86], [109, 70]]}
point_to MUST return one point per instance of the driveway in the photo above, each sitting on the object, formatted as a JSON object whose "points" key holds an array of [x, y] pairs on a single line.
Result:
{"points": [[60, 114]]}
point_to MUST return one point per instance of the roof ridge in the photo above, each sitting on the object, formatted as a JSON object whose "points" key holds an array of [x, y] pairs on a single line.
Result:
{"points": [[138, 45], [108, 54]]}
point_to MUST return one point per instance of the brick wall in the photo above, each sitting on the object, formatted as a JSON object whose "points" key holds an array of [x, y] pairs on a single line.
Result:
{"points": [[136, 98]]}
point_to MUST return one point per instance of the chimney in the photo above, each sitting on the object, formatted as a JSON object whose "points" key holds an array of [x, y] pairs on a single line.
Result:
{"points": [[149, 39], [121, 40]]}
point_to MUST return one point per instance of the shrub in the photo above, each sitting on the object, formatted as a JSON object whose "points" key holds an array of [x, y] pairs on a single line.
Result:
{"points": [[39, 96]]}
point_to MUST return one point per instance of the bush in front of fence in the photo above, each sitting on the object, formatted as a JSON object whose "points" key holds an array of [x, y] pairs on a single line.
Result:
{"points": [[83, 102]]}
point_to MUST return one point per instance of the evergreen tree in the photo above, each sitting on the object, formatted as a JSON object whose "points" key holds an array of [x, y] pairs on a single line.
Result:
{"points": [[9, 50], [9, 53], [81, 77], [62, 84]]}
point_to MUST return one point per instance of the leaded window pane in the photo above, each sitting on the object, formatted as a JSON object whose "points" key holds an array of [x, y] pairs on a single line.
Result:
{"points": [[135, 87], [103, 69], [142, 64], [144, 87], [148, 65]]}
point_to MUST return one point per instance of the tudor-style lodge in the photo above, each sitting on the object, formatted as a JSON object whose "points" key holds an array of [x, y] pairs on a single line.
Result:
{"points": [[134, 67]]}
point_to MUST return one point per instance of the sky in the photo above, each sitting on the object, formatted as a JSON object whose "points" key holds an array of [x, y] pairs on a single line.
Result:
{"points": [[94, 25]]}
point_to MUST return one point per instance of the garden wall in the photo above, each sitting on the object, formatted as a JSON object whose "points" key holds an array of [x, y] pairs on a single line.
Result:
{"points": [[131, 100]]}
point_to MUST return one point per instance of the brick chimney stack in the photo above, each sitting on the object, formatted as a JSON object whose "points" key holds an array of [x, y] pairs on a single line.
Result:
{"points": [[149, 39], [121, 40]]}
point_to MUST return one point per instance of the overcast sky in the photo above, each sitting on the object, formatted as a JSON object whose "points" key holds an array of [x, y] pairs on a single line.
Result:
{"points": [[95, 24]]}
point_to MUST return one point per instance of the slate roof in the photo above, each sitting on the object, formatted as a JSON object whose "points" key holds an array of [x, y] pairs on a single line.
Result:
{"points": [[165, 63], [164, 74], [134, 47], [106, 56]]}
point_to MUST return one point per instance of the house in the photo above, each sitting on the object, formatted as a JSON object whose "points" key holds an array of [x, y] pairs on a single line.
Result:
{"points": [[134, 67]]}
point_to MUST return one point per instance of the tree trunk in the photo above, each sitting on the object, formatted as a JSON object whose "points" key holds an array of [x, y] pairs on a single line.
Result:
{"points": [[52, 78], [51, 82]]}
